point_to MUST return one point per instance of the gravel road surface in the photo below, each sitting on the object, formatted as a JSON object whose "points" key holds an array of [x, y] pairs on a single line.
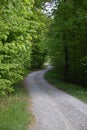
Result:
{"points": [[53, 108]]}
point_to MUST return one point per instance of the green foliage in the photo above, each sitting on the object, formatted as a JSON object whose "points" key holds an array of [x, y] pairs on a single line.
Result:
{"points": [[67, 40], [15, 43], [37, 55], [21, 26], [38, 48]]}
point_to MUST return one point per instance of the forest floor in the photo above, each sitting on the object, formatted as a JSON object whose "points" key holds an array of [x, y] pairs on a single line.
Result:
{"points": [[53, 108]]}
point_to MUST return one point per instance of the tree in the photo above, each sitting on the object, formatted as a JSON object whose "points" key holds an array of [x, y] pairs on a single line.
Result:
{"points": [[67, 40], [22, 28]]}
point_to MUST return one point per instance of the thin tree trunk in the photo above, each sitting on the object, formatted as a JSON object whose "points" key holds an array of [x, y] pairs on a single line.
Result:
{"points": [[66, 59], [66, 53]]}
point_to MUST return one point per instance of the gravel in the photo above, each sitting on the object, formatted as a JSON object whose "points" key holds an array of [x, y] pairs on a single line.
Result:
{"points": [[53, 108]]}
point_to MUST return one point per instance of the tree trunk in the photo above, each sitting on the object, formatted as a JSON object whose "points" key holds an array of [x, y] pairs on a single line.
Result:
{"points": [[66, 53], [66, 57]]}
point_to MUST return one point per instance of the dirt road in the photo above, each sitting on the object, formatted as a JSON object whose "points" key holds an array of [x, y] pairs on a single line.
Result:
{"points": [[53, 108]]}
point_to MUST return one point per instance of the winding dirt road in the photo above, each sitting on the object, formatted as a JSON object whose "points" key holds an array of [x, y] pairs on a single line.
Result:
{"points": [[53, 108]]}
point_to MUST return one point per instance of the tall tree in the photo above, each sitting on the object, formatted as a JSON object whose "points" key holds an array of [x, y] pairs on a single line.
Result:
{"points": [[67, 40], [20, 27]]}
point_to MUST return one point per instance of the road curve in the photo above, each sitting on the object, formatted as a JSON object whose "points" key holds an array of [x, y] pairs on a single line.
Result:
{"points": [[53, 108]]}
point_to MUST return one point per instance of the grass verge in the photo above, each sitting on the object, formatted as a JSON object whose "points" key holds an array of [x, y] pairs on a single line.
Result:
{"points": [[14, 114], [75, 90]]}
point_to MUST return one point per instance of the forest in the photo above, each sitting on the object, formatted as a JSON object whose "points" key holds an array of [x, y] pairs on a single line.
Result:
{"points": [[67, 39], [28, 36]]}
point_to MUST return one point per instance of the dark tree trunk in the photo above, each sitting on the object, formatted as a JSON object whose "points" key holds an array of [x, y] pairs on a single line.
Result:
{"points": [[66, 57], [66, 53]]}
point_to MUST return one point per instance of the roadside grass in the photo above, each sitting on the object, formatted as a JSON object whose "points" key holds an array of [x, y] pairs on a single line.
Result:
{"points": [[14, 113], [79, 92]]}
